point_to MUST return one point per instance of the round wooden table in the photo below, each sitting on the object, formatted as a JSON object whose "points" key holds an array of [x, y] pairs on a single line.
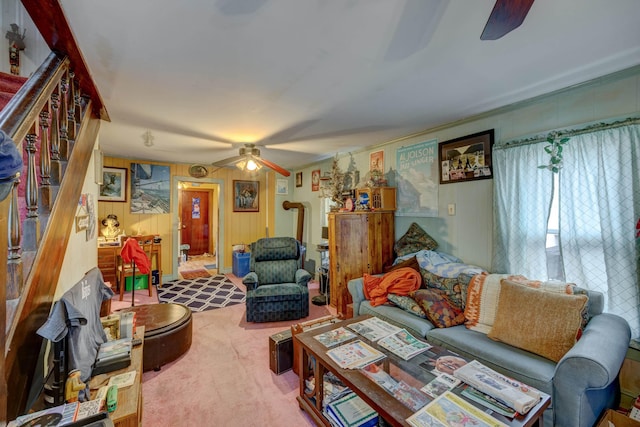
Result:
{"points": [[167, 334]]}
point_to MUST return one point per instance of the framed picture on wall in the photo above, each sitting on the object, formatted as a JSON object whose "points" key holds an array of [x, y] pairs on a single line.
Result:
{"points": [[298, 179], [114, 185], [315, 180], [245, 196], [467, 158], [376, 161], [282, 186]]}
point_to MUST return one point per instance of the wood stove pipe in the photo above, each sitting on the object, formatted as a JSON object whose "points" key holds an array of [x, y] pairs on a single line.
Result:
{"points": [[295, 205]]}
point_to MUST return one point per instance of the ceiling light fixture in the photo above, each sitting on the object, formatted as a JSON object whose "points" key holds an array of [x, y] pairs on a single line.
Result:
{"points": [[148, 138]]}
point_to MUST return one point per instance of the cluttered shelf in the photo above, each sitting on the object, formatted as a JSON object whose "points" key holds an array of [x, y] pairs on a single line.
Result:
{"points": [[128, 411]]}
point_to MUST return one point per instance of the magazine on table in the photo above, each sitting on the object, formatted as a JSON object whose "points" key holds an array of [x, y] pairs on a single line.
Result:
{"points": [[355, 355], [513, 393], [440, 360], [488, 401], [410, 396], [449, 410], [373, 328], [440, 384], [335, 337], [403, 344]]}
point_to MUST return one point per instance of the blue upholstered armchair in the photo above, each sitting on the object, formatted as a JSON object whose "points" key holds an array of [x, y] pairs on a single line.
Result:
{"points": [[277, 284]]}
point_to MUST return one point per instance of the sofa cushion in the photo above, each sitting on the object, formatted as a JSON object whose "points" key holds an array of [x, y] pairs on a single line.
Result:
{"points": [[408, 304], [449, 286], [414, 240], [483, 293], [544, 323], [438, 307]]}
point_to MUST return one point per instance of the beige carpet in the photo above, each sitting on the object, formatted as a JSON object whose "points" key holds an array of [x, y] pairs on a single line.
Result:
{"points": [[224, 379]]}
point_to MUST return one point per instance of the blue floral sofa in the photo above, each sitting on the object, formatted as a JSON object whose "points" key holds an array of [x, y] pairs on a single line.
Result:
{"points": [[277, 286]]}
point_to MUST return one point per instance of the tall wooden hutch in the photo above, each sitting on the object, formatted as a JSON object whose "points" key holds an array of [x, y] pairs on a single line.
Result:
{"points": [[359, 242]]}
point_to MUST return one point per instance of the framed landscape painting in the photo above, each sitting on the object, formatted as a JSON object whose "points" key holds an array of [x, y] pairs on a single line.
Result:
{"points": [[114, 185]]}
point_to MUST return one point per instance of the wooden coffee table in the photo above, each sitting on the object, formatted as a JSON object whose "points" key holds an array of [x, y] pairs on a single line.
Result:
{"points": [[393, 411]]}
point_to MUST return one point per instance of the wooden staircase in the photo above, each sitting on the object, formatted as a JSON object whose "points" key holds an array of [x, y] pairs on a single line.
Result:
{"points": [[54, 118]]}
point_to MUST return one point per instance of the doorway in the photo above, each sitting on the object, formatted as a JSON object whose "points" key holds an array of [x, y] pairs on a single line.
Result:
{"points": [[198, 226]]}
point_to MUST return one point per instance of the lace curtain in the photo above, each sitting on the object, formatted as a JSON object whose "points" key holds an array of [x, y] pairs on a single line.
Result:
{"points": [[599, 200], [522, 199], [599, 207]]}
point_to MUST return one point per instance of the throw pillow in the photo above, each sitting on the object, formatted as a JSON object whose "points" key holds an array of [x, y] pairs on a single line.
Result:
{"points": [[450, 286], [408, 304], [410, 263], [438, 308], [483, 293], [414, 240], [544, 323]]}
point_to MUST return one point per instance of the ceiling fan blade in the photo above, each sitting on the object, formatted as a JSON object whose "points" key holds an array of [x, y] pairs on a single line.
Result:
{"points": [[267, 163], [506, 16], [227, 161]]}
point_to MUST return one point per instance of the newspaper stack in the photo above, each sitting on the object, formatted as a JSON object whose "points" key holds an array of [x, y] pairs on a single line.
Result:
{"points": [[515, 394]]}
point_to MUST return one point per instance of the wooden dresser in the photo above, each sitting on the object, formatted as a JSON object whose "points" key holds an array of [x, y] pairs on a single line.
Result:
{"points": [[359, 242]]}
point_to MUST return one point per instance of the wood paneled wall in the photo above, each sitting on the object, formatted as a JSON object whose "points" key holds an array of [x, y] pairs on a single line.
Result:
{"points": [[234, 227]]}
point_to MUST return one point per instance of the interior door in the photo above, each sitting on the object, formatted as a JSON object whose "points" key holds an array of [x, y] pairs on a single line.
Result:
{"points": [[194, 215]]}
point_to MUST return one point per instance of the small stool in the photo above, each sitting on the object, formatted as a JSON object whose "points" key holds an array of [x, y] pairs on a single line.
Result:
{"points": [[184, 250]]}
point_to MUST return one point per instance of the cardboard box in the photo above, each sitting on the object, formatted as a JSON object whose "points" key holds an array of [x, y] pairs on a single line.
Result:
{"points": [[612, 418]]}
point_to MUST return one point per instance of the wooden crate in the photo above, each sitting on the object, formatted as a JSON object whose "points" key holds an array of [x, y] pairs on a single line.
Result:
{"points": [[379, 197]]}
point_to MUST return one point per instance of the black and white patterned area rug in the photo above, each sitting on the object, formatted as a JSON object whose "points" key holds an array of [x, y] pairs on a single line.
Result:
{"points": [[203, 293]]}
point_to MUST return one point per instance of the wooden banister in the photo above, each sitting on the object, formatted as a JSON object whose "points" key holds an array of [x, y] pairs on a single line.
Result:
{"points": [[33, 309]]}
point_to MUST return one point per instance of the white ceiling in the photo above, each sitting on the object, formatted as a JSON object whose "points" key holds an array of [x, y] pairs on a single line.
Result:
{"points": [[306, 79]]}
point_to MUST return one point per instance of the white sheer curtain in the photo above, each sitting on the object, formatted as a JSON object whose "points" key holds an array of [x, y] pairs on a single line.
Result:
{"points": [[599, 198], [522, 200]]}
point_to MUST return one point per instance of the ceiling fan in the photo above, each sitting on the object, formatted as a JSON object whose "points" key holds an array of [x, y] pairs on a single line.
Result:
{"points": [[506, 16], [249, 159]]}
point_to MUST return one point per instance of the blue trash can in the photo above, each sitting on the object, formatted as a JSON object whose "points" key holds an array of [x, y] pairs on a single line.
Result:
{"points": [[240, 266]]}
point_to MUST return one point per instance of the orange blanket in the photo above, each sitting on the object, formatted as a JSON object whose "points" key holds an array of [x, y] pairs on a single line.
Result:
{"points": [[399, 282]]}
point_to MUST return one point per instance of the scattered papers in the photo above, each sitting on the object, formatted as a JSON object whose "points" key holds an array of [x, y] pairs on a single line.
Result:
{"points": [[335, 337], [410, 396], [373, 328], [403, 344], [515, 394], [441, 383], [448, 410], [355, 355], [123, 380]]}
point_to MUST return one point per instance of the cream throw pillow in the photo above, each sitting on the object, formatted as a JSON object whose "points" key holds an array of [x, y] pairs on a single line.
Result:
{"points": [[544, 323]]}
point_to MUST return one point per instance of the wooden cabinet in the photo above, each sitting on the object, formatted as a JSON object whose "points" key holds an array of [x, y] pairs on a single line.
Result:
{"points": [[108, 263], [359, 242]]}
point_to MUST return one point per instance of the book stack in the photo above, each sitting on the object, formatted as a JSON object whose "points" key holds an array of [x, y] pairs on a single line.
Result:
{"points": [[351, 411], [113, 355]]}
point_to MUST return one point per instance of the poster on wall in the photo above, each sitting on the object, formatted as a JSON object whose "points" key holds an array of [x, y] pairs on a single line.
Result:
{"points": [[315, 180], [150, 188], [195, 208], [417, 179]]}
